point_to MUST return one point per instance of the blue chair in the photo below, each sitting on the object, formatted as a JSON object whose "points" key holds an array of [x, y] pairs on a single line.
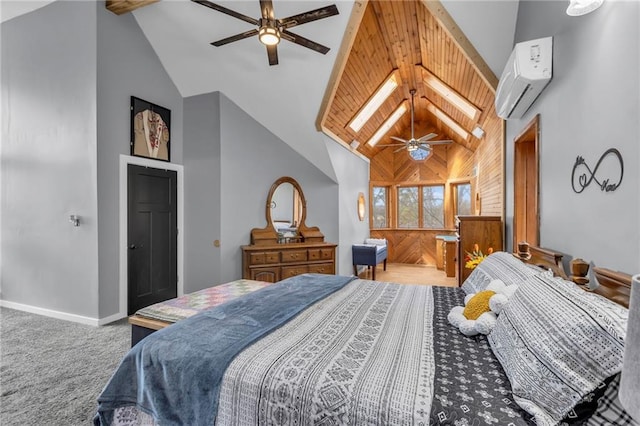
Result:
{"points": [[370, 255]]}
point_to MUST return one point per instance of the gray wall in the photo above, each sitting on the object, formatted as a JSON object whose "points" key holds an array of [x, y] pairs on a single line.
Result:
{"points": [[126, 66], [49, 159], [590, 105], [68, 71], [252, 160], [202, 176], [353, 177]]}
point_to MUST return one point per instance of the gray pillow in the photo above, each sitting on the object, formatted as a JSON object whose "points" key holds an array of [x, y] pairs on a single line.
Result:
{"points": [[502, 266], [556, 343]]}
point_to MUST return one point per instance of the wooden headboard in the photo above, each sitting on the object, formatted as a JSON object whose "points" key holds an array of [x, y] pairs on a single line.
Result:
{"points": [[544, 258], [615, 286]]}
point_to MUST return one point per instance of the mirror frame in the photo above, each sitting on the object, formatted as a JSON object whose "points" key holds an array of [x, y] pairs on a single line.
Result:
{"points": [[303, 202], [268, 234]]}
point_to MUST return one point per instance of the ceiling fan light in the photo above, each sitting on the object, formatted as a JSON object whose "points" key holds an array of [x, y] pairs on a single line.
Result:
{"points": [[412, 147], [269, 36], [582, 7]]}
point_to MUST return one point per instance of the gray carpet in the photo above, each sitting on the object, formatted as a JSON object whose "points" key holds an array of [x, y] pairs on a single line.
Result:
{"points": [[52, 371]]}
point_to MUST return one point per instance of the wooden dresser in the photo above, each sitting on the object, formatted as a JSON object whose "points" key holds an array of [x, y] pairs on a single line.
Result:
{"points": [[275, 262], [486, 231]]}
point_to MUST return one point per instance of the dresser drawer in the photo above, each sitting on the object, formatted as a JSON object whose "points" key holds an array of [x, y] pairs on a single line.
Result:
{"points": [[292, 271], [322, 268], [264, 258], [321, 254], [294, 256], [326, 254]]}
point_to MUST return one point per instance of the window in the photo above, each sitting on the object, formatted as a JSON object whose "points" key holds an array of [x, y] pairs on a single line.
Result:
{"points": [[462, 193], [380, 207], [433, 206], [421, 206], [408, 212]]}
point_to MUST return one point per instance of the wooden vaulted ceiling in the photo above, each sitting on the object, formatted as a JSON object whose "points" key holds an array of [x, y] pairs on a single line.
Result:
{"points": [[413, 38]]}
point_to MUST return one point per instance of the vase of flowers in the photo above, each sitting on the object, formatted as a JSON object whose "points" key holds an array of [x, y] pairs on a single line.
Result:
{"points": [[473, 259]]}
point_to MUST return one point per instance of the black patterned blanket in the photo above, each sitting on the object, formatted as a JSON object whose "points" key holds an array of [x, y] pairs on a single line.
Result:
{"points": [[371, 353]]}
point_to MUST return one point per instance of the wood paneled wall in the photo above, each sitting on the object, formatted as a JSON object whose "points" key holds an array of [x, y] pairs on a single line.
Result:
{"points": [[447, 165]]}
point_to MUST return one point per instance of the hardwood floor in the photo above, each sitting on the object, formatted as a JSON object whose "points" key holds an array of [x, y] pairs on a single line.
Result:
{"points": [[403, 273]]}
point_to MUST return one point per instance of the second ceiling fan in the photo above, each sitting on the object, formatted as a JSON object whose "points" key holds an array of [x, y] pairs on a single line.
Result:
{"points": [[419, 148], [270, 30]]}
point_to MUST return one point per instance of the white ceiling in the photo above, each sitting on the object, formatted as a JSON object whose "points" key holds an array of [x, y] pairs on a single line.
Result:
{"points": [[284, 98]]}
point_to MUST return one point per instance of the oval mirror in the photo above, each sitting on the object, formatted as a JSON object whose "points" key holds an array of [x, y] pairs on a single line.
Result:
{"points": [[286, 206]]}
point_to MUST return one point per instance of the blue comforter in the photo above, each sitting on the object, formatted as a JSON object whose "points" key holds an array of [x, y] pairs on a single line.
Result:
{"points": [[175, 373]]}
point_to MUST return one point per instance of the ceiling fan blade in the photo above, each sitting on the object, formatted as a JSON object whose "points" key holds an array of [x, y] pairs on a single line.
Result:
{"points": [[287, 35], [424, 148], [391, 145], [272, 53], [236, 37], [312, 15], [400, 149], [266, 7], [427, 137], [440, 142], [229, 12], [404, 141]]}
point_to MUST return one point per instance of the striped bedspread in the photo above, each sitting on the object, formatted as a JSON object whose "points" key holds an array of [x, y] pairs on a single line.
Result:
{"points": [[363, 355], [372, 353]]}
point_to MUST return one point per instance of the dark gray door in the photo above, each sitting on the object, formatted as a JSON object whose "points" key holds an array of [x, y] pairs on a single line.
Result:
{"points": [[152, 236]]}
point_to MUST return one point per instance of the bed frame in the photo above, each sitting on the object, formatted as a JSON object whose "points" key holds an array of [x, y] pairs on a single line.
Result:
{"points": [[141, 327], [614, 285]]}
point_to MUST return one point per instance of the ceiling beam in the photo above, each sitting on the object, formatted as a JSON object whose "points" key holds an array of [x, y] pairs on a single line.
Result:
{"points": [[359, 6], [440, 13], [123, 6]]}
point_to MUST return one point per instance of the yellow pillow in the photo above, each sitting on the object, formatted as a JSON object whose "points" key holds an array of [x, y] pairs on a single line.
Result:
{"points": [[478, 305]]}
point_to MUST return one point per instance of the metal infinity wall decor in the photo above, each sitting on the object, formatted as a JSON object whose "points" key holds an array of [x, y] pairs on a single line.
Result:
{"points": [[583, 180]]}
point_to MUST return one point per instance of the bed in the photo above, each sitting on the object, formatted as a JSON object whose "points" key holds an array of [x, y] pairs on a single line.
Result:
{"points": [[331, 350]]}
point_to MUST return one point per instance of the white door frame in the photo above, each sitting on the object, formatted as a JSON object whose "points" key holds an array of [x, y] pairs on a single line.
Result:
{"points": [[125, 160]]}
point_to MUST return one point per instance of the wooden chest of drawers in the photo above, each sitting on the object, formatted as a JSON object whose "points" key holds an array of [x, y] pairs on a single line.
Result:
{"points": [[276, 262], [485, 231]]}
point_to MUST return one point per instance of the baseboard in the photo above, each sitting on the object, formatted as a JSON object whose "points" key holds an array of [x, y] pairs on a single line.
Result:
{"points": [[110, 319], [53, 314]]}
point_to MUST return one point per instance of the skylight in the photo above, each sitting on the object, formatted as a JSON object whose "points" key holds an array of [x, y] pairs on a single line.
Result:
{"points": [[448, 121], [374, 102], [382, 130], [451, 96]]}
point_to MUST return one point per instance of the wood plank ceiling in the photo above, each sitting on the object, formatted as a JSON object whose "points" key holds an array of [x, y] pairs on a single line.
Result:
{"points": [[416, 40]]}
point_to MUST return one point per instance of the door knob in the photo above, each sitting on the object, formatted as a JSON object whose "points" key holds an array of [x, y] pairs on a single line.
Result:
{"points": [[132, 247]]}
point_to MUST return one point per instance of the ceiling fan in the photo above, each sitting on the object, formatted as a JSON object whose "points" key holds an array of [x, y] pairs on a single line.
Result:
{"points": [[270, 30], [420, 147]]}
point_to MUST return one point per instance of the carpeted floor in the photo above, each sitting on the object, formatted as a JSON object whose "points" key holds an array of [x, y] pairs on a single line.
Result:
{"points": [[52, 371]]}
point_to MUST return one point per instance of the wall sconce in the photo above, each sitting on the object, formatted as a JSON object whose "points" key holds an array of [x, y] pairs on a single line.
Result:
{"points": [[361, 206], [74, 220]]}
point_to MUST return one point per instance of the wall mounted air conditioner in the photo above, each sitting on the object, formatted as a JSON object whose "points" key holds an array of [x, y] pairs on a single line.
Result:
{"points": [[527, 72]]}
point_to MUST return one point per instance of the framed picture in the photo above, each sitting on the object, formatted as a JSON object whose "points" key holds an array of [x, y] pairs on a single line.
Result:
{"points": [[150, 130]]}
